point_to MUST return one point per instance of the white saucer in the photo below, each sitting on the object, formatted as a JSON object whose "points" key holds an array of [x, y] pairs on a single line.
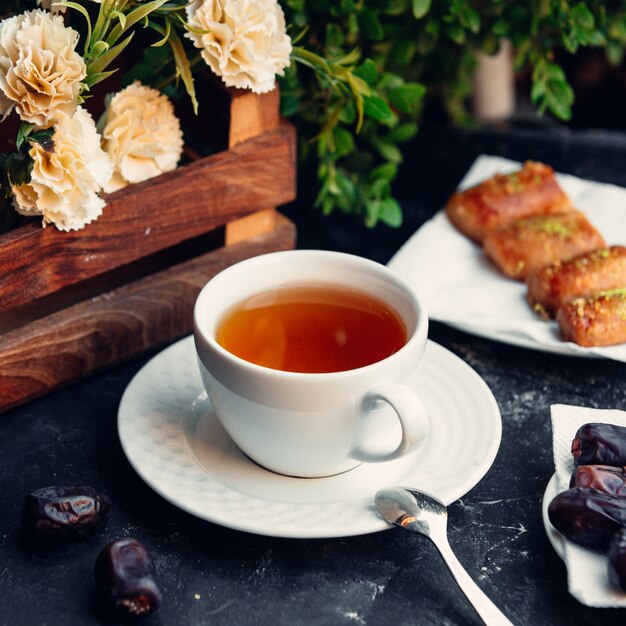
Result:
{"points": [[176, 444]]}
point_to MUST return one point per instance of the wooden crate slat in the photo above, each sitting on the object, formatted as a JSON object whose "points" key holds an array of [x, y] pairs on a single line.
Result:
{"points": [[251, 114], [89, 336], [148, 217]]}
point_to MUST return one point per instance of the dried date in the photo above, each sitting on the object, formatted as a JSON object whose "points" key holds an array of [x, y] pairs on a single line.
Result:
{"points": [[617, 559], [600, 444], [604, 478], [124, 574], [587, 517], [64, 512]]}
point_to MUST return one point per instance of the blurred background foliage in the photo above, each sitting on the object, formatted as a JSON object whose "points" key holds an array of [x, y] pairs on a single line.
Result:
{"points": [[396, 61], [367, 73]]}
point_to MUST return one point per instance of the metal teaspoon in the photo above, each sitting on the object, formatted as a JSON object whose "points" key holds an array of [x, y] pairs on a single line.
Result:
{"points": [[427, 515]]}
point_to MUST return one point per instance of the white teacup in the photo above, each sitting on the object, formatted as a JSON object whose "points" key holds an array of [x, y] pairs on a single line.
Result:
{"points": [[313, 424]]}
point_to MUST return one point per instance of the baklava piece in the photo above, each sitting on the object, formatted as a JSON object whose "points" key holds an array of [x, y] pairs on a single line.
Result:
{"points": [[525, 245], [597, 320], [533, 190], [553, 285]]}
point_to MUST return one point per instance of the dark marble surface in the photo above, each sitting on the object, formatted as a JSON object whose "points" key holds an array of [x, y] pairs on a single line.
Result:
{"points": [[213, 575]]}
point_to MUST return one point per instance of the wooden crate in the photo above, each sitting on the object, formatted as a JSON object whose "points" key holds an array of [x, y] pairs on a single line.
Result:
{"points": [[74, 303]]}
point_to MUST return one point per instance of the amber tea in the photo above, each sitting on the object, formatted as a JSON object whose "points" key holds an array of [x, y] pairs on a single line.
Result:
{"points": [[312, 328]]}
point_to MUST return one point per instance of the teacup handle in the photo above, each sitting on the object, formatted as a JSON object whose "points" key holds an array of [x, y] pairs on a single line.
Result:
{"points": [[409, 410]]}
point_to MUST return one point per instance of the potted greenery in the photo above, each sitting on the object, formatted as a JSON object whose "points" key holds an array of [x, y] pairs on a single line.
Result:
{"points": [[354, 75]]}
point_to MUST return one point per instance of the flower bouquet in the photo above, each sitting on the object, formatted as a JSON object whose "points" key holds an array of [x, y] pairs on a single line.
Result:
{"points": [[63, 161], [129, 208]]}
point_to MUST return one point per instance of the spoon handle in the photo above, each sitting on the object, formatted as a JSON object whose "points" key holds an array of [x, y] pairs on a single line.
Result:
{"points": [[488, 611]]}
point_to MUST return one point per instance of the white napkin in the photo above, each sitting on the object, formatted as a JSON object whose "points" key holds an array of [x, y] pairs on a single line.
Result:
{"points": [[460, 286], [587, 570]]}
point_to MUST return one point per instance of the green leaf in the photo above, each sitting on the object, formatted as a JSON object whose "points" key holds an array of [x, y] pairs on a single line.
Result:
{"points": [[420, 8], [407, 97], [390, 213], [44, 138], [387, 171], [583, 17], [81, 9], [367, 71], [403, 51], [403, 132], [538, 91], [334, 36], [470, 18], [101, 63], [380, 188], [570, 41], [358, 101], [597, 39], [98, 49], [559, 108], [554, 71], [347, 7], [389, 152], [119, 16], [15, 169], [183, 68], [166, 36], [133, 17], [348, 113], [347, 190], [501, 27], [94, 79], [370, 25], [561, 90], [456, 33], [23, 133], [372, 209], [614, 53], [398, 7], [155, 65], [343, 140], [328, 204], [376, 108], [289, 104]]}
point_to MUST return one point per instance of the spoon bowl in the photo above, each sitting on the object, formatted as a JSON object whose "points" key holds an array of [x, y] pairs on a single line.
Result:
{"points": [[422, 513], [415, 510]]}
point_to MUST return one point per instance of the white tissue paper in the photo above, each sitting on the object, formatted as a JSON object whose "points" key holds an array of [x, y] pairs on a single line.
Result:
{"points": [[587, 570], [461, 287]]}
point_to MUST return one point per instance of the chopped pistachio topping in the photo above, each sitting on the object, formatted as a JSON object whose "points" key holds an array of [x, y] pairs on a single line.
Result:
{"points": [[513, 182], [612, 293], [551, 227], [554, 227]]}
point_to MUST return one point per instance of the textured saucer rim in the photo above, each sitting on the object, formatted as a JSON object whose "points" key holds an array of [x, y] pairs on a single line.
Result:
{"points": [[176, 475]]}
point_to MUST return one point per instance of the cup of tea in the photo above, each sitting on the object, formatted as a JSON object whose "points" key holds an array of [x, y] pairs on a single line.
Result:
{"points": [[309, 358]]}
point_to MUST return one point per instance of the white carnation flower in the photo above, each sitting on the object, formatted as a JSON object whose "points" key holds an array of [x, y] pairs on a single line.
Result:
{"points": [[141, 134], [65, 182], [40, 70], [243, 41]]}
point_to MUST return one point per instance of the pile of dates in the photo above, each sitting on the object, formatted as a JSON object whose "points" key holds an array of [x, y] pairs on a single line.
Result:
{"points": [[124, 570], [592, 512]]}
